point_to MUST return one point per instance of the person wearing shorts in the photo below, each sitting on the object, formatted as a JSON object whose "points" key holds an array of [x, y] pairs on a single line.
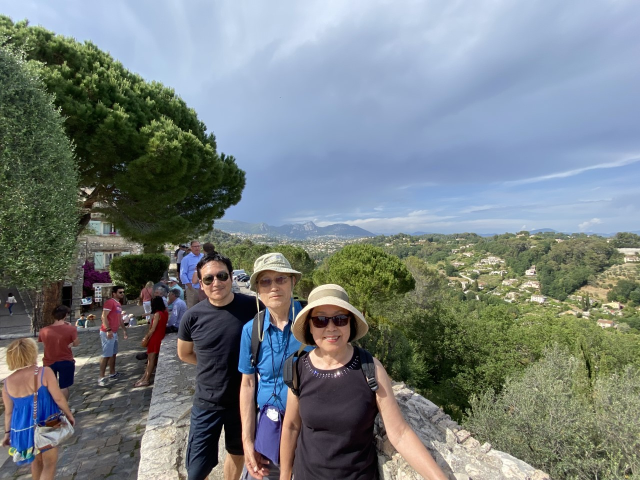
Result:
{"points": [[209, 337], [58, 338], [111, 321]]}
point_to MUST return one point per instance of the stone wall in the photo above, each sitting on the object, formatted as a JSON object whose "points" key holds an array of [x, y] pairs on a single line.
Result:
{"points": [[460, 455]]}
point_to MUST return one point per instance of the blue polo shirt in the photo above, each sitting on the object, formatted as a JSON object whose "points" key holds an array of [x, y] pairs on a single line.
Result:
{"points": [[276, 346]]}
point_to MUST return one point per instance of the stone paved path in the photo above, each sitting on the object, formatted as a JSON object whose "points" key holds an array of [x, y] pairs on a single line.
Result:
{"points": [[110, 420]]}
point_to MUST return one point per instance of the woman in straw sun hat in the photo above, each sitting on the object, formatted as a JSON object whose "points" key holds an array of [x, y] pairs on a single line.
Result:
{"points": [[328, 429], [273, 280]]}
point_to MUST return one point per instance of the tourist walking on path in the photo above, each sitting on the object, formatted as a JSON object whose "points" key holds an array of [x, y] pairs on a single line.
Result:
{"points": [[178, 308], [11, 301], [18, 397], [58, 339], [153, 339], [111, 321], [328, 429], [273, 280], [187, 268], [145, 298], [209, 337]]}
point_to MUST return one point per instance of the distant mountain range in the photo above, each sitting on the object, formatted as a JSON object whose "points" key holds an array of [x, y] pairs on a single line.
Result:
{"points": [[301, 231]]}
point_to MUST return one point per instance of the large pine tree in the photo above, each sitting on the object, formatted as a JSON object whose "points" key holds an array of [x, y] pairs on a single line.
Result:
{"points": [[145, 159]]}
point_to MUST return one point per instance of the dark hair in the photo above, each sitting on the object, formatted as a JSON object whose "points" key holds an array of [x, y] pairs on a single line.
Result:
{"points": [[10, 294], [308, 338], [213, 257], [61, 311], [209, 248], [157, 305], [115, 288], [175, 291]]}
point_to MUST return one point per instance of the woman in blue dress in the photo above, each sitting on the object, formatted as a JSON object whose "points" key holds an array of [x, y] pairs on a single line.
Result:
{"points": [[18, 396]]}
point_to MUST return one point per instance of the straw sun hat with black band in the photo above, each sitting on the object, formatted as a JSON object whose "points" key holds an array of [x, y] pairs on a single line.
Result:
{"points": [[329, 294]]}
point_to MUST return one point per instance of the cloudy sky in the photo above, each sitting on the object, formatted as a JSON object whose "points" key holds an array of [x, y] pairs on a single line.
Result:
{"points": [[432, 116]]}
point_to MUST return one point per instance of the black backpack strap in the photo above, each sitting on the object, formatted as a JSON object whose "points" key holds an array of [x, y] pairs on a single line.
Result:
{"points": [[290, 373], [256, 337], [368, 368], [257, 334]]}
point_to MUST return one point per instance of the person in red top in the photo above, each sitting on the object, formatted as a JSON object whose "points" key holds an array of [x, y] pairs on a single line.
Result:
{"points": [[58, 339], [153, 338], [111, 322]]}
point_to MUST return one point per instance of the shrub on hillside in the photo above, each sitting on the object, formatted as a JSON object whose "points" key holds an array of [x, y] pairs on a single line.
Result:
{"points": [[133, 271], [555, 419]]}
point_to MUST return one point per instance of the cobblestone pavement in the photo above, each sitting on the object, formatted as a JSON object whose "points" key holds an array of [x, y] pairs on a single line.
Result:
{"points": [[110, 420]]}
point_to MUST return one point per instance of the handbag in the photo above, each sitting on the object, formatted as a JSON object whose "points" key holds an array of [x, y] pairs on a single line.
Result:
{"points": [[54, 430], [6, 305]]}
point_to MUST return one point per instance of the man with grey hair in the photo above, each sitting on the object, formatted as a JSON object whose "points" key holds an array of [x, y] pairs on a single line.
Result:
{"points": [[177, 311], [161, 289]]}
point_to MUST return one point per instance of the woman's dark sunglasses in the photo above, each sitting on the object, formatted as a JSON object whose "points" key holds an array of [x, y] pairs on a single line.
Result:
{"points": [[266, 282], [222, 276], [338, 320]]}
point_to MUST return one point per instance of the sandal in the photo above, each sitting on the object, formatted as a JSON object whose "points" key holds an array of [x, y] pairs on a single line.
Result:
{"points": [[141, 383]]}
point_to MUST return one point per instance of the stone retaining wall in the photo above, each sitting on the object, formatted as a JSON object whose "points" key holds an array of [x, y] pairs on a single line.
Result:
{"points": [[459, 454]]}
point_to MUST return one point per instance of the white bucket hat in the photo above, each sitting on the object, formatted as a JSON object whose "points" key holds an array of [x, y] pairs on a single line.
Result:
{"points": [[329, 294], [272, 262]]}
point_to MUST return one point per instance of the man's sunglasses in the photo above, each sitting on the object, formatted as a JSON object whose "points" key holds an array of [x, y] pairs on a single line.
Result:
{"points": [[338, 320], [222, 276], [266, 282]]}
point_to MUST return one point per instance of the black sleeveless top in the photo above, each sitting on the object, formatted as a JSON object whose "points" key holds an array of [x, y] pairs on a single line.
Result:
{"points": [[337, 409]]}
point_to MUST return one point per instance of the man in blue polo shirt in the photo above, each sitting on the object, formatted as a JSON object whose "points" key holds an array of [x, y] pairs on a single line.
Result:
{"points": [[187, 268], [273, 280]]}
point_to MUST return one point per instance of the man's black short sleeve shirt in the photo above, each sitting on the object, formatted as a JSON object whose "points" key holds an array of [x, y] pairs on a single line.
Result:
{"points": [[215, 333]]}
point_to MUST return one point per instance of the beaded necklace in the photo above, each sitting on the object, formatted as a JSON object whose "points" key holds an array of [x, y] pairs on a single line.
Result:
{"points": [[353, 364]]}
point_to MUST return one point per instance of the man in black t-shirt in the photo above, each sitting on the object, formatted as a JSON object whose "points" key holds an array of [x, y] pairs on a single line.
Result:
{"points": [[209, 337]]}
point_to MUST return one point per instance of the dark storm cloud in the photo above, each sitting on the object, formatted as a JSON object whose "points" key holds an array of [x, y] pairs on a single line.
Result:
{"points": [[377, 113]]}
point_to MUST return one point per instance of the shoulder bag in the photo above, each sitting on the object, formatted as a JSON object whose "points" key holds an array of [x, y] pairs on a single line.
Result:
{"points": [[55, 429]]}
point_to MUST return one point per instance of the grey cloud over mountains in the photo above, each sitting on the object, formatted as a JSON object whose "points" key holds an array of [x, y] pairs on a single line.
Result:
{"points": [[338, 108]]}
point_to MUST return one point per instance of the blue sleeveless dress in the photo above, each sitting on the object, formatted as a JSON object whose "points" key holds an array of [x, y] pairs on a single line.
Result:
{"points": [[22, 422]]}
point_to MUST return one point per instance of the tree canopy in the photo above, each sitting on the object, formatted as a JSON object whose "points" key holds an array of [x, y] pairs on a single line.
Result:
{"points": [[367, 273], [38, 180], [145, 159]]}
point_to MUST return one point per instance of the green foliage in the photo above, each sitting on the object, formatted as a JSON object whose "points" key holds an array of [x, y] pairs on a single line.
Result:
{"points": [[569, 264], [626, 240], [244, 255], [38, 180], [367, 273], [145, 159], [220, 239], [134, 271], [624, 291], [554, 418], [449, 270]]}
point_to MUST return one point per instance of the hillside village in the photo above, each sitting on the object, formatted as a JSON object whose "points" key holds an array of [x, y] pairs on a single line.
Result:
{"points": [[477, 274]]}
